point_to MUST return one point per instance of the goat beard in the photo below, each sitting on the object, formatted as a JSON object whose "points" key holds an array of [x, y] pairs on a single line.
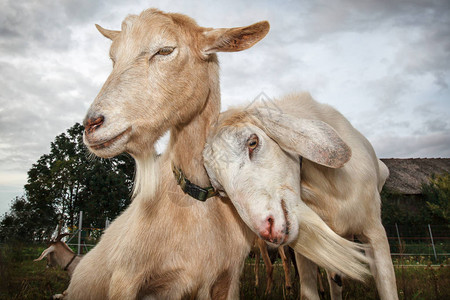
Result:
{"points": [[146, 179]]}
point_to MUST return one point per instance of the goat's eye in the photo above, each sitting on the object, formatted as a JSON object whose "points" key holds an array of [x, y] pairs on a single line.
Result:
{"points": [[165, 50], [252, 143]]}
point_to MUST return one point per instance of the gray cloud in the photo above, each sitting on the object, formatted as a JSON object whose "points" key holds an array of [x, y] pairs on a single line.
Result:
{"points": [[421, 29], [366, 15], [432, 145], [35, 108], [28, 25], [54, 62], [436, 125]]}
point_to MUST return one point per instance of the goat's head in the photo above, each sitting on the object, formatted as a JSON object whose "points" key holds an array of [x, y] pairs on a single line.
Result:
{"points": [[253, 157], [162, 68]]}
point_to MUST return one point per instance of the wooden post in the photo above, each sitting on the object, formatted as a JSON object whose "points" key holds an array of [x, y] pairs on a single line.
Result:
{"points": [[80, 224], [432, 242], [399, 241], [60, 223]]}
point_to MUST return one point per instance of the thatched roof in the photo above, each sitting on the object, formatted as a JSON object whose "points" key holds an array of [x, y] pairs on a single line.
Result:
{"points": [[408, 175]]}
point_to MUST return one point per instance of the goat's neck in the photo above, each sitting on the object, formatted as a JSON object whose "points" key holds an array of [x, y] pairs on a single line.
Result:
{"points": [[184, 150], [63, 256], [188, 140]]}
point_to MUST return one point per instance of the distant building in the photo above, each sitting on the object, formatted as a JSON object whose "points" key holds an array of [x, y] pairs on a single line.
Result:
{"points": [[407, 175], [405, 204]]}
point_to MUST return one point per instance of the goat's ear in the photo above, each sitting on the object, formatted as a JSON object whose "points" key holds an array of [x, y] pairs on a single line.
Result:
{"points": [[110, 34], [313, 139], [45, 253], [233, 39]]}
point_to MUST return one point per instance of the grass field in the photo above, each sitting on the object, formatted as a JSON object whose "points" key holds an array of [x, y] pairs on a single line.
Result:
{"points": [[21, 278]]}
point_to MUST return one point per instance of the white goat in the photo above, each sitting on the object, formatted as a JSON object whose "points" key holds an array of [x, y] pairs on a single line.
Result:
{"points": [[252, 155]]}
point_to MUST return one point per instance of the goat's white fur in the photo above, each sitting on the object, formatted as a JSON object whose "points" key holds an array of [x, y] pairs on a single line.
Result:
{"points": [[146, 177], [346, 198]]}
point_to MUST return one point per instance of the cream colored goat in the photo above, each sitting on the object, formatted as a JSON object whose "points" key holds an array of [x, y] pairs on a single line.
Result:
{"points": [[252, 155], [165, 245], [59, 254]]}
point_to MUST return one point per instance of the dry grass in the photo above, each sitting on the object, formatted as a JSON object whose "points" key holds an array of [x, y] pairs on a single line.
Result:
{"points": [[21, 278], [413, 283]]}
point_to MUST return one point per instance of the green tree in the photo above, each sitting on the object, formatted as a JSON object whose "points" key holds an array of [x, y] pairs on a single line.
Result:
{"points": [[106, 189], [39, 199], [21, 222], [437, 196], [396, 208], [66, 181]]}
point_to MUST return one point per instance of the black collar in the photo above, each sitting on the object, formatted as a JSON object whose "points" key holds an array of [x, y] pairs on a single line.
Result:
{"points": [[191, 189], [73, 257]]}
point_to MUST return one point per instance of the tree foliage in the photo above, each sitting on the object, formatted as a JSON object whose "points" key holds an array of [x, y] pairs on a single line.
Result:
{"points": [[432, 206], [17, 224], [437, 196], [403, 209], [64, 182]]}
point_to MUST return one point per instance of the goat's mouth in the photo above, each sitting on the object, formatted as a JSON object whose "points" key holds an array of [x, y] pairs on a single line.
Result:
{"points": [[106, 144], [272, 233], [288, 223]]}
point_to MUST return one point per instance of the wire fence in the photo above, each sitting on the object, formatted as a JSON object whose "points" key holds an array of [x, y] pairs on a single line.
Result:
{"points": [[420, 242], [424, 244]]}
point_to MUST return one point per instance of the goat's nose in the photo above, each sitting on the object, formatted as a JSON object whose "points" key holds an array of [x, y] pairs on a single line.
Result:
{"points": [[93, 123], [267, 232]]}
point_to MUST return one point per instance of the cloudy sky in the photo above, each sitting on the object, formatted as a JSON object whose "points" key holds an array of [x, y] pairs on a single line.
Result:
{"points": [[384, 64]]}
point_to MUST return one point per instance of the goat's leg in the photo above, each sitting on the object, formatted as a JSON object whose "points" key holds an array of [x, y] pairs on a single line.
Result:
{"points": [[335, 282], [122, 286], [233, 292], [286, 267], [269, 267], [381, 266], [294, 261], [60, 296], [308, 278], [257, 257], [225, 287]]}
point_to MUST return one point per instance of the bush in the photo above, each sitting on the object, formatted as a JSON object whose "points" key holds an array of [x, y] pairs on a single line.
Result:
{"points": [[437, 196]]}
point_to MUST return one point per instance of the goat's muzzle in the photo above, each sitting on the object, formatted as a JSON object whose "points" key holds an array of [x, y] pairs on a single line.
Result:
{"points": [[270, 234], [93, 123]]}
